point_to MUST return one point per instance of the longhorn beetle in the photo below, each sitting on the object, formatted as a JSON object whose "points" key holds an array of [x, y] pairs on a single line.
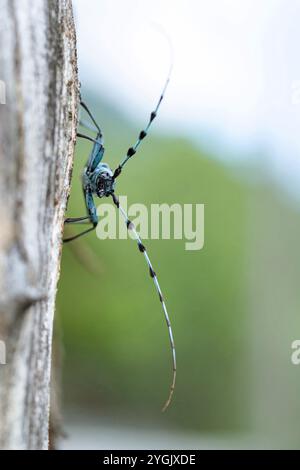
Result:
{"points": [[99, 180]]}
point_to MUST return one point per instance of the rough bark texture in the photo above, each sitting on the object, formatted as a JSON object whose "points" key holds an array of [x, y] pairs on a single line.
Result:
{"points": [[37, 136]]}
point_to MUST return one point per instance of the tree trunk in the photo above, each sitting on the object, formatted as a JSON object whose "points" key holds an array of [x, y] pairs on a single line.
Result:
{"points": [[38, 118]]}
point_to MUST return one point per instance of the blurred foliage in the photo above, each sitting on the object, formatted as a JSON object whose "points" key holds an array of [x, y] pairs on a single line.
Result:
{"points": [[117, 355]]}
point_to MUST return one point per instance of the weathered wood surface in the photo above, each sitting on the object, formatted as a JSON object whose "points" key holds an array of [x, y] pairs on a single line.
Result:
{"points": [[37, 135]]}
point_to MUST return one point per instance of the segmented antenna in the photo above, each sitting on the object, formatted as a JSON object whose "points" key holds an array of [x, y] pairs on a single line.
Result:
{"points": [[132, 150], [142, 248]]}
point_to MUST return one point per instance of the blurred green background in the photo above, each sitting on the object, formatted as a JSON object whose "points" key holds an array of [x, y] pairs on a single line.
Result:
{"points": [[234, 305]]}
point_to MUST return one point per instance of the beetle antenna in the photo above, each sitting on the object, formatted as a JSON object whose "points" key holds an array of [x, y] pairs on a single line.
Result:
{"points": [[142, 249], [132, 150]]}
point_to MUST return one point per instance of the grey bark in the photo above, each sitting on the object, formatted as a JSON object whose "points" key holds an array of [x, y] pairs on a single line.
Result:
{"points": [[38, 71]]}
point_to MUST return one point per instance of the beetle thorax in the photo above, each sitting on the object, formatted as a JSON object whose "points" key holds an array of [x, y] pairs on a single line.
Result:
{"points": [[101, 180]]}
